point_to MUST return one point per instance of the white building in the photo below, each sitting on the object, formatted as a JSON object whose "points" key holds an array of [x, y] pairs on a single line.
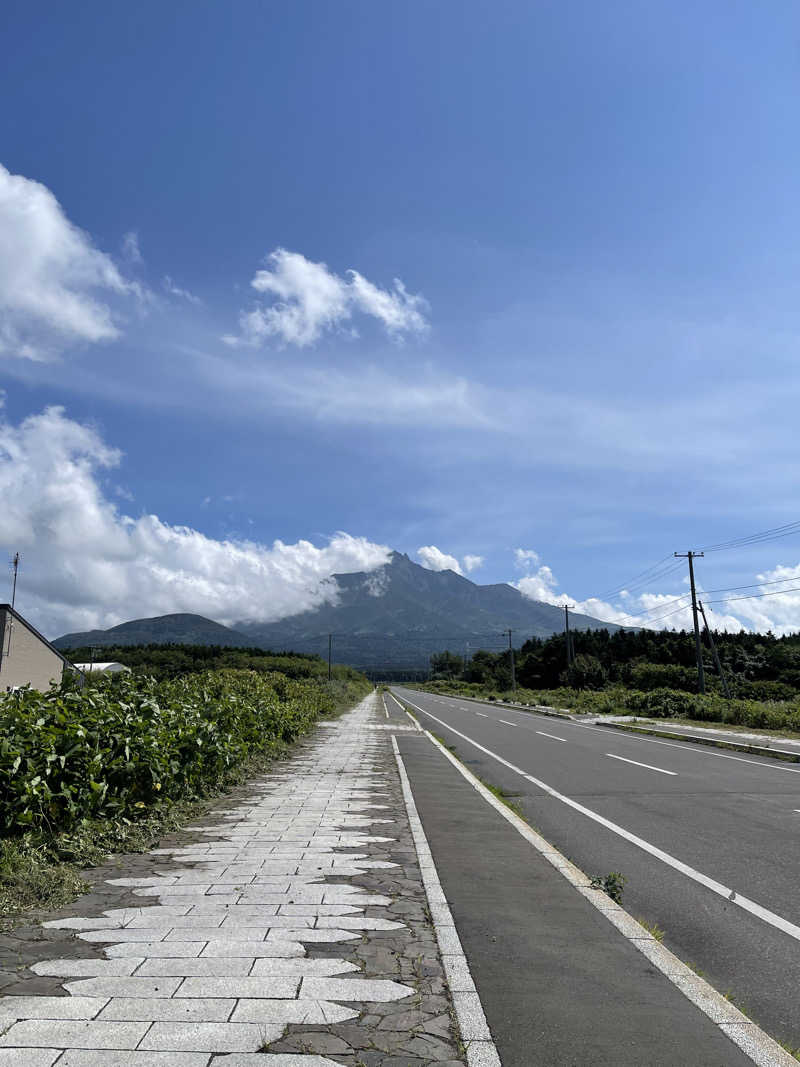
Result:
{"points": [[102, 668]]}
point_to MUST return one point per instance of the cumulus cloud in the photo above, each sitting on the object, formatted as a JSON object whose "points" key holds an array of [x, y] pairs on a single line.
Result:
{"points": [[309, 300], [777, 611], [86, 564], [52, 277], [433, 559]]}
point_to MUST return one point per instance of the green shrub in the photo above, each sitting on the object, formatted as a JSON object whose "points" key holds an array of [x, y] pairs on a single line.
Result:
{"points": [[114, 748]]}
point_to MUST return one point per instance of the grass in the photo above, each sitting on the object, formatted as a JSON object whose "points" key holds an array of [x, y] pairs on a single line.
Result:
{"points": [[652, 928]]}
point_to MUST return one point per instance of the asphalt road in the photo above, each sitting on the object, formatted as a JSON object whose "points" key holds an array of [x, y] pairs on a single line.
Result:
{"points": [[697, 814]]}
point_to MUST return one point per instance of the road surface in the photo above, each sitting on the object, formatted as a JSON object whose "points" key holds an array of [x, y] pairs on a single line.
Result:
{"points": [[708, 842]]}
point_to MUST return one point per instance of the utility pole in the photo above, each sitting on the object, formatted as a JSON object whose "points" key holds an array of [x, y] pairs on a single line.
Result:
{"points": [[330, 647], [691, 556], [15, 566], [714, 653], [511, 654], [567, 637]]}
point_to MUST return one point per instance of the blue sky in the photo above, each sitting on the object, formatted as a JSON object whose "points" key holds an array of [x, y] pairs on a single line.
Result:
{"points": [[592, 210]]}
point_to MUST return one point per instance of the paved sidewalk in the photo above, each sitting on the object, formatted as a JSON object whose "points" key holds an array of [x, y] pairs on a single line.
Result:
{"points": [[292, 932]]}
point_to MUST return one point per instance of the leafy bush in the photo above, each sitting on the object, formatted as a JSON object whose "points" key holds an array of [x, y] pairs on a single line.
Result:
{"points": [[118, 746]]}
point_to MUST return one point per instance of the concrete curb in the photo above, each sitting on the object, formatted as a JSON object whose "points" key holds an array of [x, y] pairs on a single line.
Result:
{"points": [[698, 739], [763, 1050]]}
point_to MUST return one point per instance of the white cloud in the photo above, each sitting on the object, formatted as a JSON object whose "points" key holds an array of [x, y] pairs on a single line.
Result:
{"points": [[86, 564], [50, 272], [175, 290], [434, 559], [777, 611], [525, 558], [309, 300], [130, 247], [472, 563]]}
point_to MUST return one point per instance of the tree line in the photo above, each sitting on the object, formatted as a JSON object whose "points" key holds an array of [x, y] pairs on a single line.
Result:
{"points": [[175, 660], [757, 666]]}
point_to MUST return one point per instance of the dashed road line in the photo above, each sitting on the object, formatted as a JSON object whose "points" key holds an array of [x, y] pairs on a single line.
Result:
{"points": [[505, 722], [553, 736], [636, 763], [767, 916], [742, 1031]]}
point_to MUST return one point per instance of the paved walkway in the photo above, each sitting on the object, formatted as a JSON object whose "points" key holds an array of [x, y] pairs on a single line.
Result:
{"points": [[292, 929]]}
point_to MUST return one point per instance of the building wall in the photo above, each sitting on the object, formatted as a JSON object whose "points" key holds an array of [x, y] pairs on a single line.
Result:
{"points": [[30, 662]]}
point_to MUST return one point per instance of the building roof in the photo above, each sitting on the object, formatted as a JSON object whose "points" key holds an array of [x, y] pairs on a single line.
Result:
{"points": [[18, 618]]}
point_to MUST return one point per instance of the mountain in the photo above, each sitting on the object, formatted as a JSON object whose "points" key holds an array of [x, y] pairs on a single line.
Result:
{"points": [[161, 630], [400, 614], [395, 617]]}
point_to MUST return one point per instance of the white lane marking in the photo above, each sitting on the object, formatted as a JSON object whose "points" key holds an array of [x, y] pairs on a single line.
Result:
{"points": [[505, 722], [385, 708], [695, 750], [481, 715], [756, 1045], [402, 708], [481, 1050], [697, 876], [649, 766], [543, 734]]}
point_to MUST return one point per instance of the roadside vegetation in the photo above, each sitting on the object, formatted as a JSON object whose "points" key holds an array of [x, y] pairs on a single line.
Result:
{"points": [[111, 767], [644, 673]]}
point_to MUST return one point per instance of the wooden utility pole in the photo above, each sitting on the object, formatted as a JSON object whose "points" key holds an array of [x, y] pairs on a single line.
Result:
{"points": [[511, 654], [698, 647], [567, 636], [717, 663]]}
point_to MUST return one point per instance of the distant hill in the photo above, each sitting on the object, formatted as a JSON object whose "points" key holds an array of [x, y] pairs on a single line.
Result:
{"points": [[395, 617], [161, 630]]}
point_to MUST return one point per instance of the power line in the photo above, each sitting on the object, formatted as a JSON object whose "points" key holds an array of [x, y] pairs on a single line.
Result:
{"points": [[756, 596], [643, 577], [761, 537]]}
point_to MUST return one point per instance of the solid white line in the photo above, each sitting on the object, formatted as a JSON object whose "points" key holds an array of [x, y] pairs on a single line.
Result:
{"points": [[481, 1051], [636, 762], [505, 722], [754, 1043], [721, 890], [405, 709], [543, 734]]}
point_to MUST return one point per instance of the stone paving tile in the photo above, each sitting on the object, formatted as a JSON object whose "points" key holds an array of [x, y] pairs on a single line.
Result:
{"points": [[288, 929], [29, 1057]]}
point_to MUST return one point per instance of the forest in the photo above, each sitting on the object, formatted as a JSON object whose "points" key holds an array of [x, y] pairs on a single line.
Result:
{"points": [[756, 666]]}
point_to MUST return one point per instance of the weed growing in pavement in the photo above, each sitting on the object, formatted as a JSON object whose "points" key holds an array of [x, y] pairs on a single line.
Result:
{"points": [[652, 928], [611, 884]]}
